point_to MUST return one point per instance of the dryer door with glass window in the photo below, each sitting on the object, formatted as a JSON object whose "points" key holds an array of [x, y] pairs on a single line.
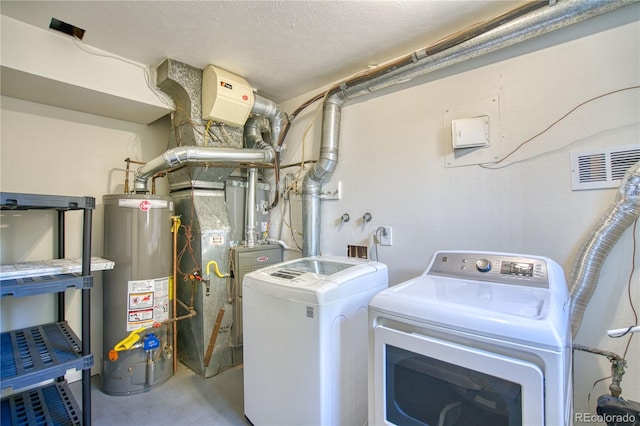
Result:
{"points": [[422, 380]]}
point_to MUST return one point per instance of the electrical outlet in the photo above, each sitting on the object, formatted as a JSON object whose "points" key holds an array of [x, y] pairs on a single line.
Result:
{"points": [[385, 235]]}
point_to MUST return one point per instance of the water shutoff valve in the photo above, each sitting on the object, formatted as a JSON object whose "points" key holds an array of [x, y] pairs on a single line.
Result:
{"points": [[150, 342]]}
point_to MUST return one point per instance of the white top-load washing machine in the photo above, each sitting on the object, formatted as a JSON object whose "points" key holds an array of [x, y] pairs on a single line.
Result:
{"points": [[479, 339], [306, 340]]}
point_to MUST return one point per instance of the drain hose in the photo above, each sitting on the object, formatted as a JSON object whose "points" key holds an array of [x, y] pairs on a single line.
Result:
{"points": [[624, 210]]}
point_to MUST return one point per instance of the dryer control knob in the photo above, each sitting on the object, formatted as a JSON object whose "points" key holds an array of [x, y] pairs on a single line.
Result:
{"points": [[483, 265]]}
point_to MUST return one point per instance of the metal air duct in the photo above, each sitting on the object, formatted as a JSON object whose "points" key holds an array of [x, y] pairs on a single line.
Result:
{"points": [[529, 21], [624, 210], [175, 158]]}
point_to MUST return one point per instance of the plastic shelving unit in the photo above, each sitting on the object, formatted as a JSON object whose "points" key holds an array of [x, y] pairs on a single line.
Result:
{"points": [[36, 354]]}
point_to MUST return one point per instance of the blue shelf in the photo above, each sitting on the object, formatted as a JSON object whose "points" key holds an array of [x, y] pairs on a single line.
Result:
{"points": [[32, 286], [39, 354], [35, 354], [48, 405]]}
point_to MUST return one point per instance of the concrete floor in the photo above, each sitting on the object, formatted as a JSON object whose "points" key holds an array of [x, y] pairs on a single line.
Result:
{"points": [[185, 399]]}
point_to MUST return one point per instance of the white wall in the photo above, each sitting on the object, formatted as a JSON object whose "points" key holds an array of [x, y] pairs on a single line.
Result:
{"points": [[392, 165], [49, 150]]}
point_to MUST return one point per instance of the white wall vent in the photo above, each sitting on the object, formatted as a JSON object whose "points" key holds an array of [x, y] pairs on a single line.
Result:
{"points": [[602, 168]]}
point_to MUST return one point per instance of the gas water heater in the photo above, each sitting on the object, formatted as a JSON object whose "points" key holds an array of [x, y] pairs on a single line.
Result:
{"points": [[137, 352]]}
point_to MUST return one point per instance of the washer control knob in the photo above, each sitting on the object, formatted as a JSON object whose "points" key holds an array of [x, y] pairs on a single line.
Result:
{"points": [[483, 265]]}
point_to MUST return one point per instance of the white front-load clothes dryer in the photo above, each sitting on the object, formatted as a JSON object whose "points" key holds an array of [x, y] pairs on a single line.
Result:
{"points": [[306, 340], [481, 339]]}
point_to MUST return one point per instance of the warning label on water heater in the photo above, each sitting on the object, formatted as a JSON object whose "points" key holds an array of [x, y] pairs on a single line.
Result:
{"points": [[148, 303]]}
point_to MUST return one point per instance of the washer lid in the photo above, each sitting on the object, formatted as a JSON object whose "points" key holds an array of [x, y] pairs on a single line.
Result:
{"points": [[318, 279], [507, 312], [296, 270]]}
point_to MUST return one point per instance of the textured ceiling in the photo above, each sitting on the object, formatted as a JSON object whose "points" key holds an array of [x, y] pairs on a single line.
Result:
{"points": [[283, 48]]}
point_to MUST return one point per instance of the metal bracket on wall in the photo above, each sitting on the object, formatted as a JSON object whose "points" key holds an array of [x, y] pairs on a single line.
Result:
{"points": [[332, 194]]}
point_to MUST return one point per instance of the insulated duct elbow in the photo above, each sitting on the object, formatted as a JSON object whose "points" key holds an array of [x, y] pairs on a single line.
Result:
{"points": [[254, 129], [272, 111], [594, 251]]}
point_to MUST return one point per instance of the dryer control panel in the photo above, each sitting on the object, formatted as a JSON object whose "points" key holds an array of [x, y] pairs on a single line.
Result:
{"points": [[489, 266]]}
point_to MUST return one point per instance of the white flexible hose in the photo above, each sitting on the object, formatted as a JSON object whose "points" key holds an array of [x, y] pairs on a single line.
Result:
{"points": [[619, 332]]}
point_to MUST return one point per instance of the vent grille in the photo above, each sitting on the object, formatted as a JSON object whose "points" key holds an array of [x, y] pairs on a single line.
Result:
{"points": [[622, 160], [603, 168]]}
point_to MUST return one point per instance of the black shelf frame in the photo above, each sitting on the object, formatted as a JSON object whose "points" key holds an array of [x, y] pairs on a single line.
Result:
{"points": [[61, 203]]}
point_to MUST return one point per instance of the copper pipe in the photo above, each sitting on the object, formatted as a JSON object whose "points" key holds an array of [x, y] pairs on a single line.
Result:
{"points": [[192, 313], [153, 181], [174, 290], [126, 174], [184, 305]]}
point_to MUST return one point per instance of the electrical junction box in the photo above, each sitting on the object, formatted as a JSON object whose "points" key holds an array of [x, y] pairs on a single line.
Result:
{"points": [[470, 132], [226, 97]]}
